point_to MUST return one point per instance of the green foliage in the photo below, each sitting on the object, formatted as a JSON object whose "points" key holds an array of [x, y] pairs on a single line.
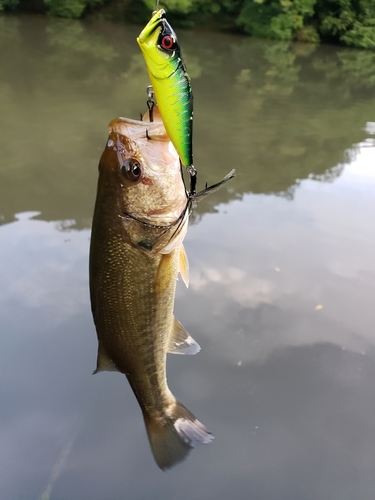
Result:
{"points": [[69, 8], [308, 34], [360, 35], [351, 22], [277, 111], [66, 8], [279, 19], [8, 4], [191, 6], [256, 17], [348, 22], [182, 6]]}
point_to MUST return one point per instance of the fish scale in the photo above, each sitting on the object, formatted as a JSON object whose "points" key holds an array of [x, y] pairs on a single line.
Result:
{"points": [[130, 299]]}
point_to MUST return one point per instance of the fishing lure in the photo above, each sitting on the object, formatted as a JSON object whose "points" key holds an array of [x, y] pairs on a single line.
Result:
{"points": [[171, 85]]}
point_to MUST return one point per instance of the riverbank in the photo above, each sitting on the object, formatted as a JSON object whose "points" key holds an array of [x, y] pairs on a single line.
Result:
{"points": [[343, 22]]}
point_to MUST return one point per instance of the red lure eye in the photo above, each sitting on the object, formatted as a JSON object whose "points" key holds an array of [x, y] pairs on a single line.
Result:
{"points": [[167, 42]]}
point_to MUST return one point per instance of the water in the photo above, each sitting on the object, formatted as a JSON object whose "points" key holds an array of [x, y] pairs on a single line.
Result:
{"points": [[282, 270]]}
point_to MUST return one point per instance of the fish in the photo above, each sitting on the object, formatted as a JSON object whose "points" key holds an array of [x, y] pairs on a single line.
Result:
{"points": [[136, 253], [171, 84]]}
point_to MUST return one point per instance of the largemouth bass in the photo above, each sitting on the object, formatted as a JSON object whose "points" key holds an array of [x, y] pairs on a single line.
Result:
{"points": [[171, 83], [140, 220]]}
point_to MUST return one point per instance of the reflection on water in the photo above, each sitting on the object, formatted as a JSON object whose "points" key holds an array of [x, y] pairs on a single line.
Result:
{"points": [[286, 387], [331, 240], [274, 111]]}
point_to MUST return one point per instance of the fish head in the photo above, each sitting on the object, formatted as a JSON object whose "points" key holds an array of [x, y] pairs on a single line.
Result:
{"points": [[140, 177], [159, 45]]}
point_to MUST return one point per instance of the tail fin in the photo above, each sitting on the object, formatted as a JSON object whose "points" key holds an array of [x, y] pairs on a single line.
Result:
{"points": [[173, 437]]}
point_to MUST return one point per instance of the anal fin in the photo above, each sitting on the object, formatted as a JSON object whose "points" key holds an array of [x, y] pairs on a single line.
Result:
{"points": [[181, 342], [104, 362]]}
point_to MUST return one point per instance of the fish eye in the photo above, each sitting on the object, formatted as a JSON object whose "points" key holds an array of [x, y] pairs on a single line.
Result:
{"points": [[131, 169], [167, 42]]}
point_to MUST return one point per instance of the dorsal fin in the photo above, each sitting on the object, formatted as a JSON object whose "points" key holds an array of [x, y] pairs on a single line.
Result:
{"points": [[184, 266], [104, 362], [181, 342]]}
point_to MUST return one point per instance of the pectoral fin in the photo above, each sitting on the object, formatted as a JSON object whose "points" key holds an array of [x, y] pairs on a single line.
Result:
{"points": [[181, 342], [184, 266], [104, 362]]}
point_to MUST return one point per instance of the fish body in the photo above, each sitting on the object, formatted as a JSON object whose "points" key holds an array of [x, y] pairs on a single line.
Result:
{"points": [[136, 253], [171, 83]]}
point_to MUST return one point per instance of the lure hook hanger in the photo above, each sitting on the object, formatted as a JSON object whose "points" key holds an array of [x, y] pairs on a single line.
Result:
{"points": [[193, 179], [150, 102]]}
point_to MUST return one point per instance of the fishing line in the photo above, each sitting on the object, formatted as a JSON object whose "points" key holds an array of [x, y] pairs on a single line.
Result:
{"points": [[155, 226], [156, 7], [178, 222], [191, 198]]}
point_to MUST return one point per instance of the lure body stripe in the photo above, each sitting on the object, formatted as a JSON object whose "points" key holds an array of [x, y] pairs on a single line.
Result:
{"points": [[175, 102], [170, 82]]}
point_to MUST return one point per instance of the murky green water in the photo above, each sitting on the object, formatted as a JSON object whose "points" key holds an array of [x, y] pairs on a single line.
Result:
{"points": [[282, 270]]}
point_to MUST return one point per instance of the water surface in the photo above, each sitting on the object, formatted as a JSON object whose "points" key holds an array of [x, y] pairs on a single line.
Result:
{"points": [[282, 270]]}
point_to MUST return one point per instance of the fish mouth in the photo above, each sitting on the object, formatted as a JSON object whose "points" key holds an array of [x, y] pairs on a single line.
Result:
{"points": [[151, 26]]}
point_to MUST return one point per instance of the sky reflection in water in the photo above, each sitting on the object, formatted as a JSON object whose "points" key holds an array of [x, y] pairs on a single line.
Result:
{"points": [[288, 390]]}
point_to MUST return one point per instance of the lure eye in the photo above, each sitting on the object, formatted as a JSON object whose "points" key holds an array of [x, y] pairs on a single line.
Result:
{"points": [[167, 42], [131, 169]]}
